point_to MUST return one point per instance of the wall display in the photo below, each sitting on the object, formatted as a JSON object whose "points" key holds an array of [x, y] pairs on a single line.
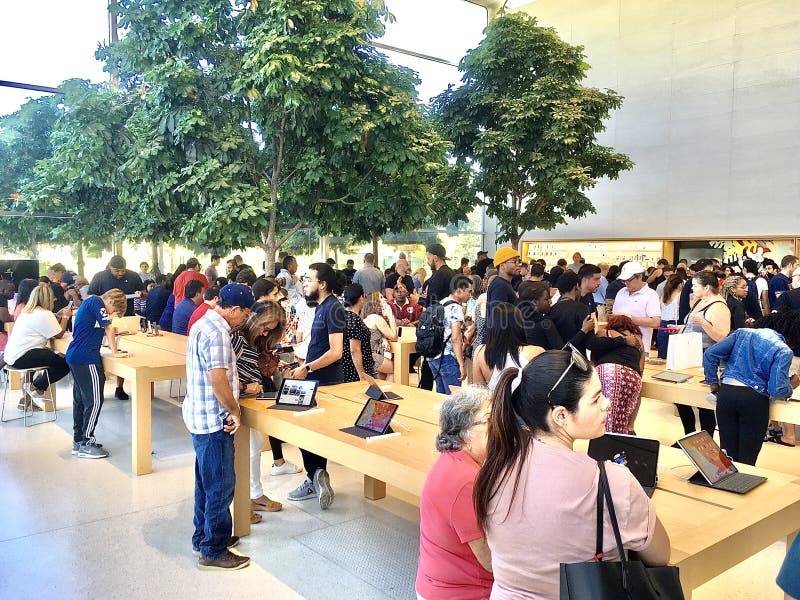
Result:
{"points": [[646, 252], [734, 252]]}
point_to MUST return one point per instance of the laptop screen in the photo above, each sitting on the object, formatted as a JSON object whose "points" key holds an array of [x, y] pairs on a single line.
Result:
{"points": [[298, 392], [375, 415], [707, 456]]}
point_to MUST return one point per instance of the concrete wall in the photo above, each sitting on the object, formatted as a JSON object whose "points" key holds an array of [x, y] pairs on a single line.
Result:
{"points": [[711, 115]]}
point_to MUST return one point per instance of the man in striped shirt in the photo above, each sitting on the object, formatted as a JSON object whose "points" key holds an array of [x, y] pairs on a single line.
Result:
{"points": [[212, 415]]}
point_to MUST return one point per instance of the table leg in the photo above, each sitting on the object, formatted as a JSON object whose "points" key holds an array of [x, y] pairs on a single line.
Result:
{"points": [[401, 365], [687, 586], [374, 489], [141, 427], [241, 493]]}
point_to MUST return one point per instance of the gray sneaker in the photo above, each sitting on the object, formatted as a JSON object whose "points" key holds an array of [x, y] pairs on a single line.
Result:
{"points": [[304, 491], [91, 451], [76, 446], [323, 489]]}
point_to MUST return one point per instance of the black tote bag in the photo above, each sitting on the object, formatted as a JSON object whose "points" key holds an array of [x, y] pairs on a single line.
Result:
{"points": [[626, 579]]}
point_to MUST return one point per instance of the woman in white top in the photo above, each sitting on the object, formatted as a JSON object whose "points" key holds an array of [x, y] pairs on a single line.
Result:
{"points": [[381, 332], [670, 300], [505, 347], [27, 344], [536, 497]]}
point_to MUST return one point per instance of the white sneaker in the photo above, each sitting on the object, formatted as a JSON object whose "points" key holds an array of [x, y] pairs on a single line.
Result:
{"points": [[36, 396], [286, 468]]}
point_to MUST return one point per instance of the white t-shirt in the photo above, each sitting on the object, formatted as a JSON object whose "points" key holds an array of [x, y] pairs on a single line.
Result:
{"points": [[761, 286], [644, 303], [31, 330]]}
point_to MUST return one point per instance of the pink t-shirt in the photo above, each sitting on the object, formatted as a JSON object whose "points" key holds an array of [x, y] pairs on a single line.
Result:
{"points": [[447, 567], [644, 303], [553, 520]]}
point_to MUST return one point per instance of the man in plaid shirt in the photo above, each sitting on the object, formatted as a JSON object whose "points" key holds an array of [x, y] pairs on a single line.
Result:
{"points": [[212, 415]]}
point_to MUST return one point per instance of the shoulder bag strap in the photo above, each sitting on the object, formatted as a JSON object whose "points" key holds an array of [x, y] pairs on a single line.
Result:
{"points": [[623, 557], [598, 549]]}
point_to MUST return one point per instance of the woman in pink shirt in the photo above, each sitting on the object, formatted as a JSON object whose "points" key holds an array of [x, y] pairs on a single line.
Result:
{"points": [[536, 498], [454, 561]]}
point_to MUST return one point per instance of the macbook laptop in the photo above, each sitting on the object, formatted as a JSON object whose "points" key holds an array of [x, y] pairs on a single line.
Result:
{"points": [[294, 394], [715, 469], [672, 377], [639, 454], [374, 419]]}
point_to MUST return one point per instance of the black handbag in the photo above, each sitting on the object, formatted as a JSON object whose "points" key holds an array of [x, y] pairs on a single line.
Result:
{"points": [[629, 579]]}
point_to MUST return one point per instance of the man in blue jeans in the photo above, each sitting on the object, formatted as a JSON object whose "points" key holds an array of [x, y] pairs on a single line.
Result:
{"points": [[212, 415], [448, 368]]}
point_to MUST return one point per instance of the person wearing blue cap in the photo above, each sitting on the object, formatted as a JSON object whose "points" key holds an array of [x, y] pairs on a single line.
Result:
{"points": [[212, 415]]}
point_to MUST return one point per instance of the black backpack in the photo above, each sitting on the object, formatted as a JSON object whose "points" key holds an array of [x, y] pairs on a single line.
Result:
{"points": [[430, 331]]}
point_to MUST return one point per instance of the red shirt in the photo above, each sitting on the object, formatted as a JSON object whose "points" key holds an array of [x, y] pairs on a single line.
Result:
{"points": [[201, 309], [410, 310], [447, 523], [180, 283]]}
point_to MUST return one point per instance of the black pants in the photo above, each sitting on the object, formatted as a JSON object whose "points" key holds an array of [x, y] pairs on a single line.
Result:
{"points": [[311, 461], [743, 415], [426, 376], [55, 364], [87, 400], [707, 419], [276, 446]]}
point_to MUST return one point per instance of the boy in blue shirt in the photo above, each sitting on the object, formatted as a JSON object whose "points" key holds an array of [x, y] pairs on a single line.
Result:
{"points": [[92, 320]]}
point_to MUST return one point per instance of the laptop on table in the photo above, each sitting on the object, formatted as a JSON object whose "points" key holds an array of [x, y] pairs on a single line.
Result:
{"points": [[639, 454], [715, 469], [374, 419], [376, 393], [294, 394], [672, 377]]}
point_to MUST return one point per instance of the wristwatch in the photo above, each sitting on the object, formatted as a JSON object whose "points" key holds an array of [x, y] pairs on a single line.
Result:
{"points": [[308, 368]]}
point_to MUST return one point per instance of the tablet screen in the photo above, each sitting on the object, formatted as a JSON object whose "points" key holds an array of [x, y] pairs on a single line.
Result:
{"points": [[707, 456], [298, 392], [376, 415]]}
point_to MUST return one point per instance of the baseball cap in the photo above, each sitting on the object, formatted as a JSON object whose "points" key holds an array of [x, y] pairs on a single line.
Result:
{"points": [[236, 294], [436, 250], [504, 254], [68, 278], [629, 269]]}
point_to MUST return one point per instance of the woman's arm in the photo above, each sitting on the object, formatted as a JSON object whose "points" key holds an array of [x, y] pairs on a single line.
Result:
{"points": [[481, 551], [717, 323], [63, 320], [385, 329], [358, 359], [656, 554], [480, 371]]}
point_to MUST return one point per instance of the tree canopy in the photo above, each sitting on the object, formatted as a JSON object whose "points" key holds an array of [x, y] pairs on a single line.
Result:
{"points": [[527, 127]]}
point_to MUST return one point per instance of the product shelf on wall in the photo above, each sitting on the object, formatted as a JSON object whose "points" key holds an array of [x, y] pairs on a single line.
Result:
{"points": [[646, 252]]}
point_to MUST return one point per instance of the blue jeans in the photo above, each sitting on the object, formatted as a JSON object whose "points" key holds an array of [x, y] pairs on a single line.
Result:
{"points": [[214, 481], [445, 372], [662, 339]]}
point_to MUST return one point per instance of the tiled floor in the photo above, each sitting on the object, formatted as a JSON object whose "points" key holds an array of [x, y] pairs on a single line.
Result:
{"points": [[74, 528]]}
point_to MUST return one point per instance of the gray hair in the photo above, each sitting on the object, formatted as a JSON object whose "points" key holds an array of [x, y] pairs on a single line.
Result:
{"points": [[457, 417]]}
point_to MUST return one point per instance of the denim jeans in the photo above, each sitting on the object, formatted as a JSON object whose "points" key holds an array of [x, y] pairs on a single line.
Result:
{"points": [[662, 339], [445, 372], [214, 481]]}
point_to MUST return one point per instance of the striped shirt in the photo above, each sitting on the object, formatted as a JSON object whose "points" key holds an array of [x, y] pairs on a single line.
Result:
{"points": [[246, 359], [209, 347]]}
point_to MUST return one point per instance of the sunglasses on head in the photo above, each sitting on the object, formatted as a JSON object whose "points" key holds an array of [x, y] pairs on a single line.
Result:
{"points": [[577, 359]]}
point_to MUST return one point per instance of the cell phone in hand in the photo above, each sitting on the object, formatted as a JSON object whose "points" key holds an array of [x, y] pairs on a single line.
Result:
{"points": [[291, 366]]}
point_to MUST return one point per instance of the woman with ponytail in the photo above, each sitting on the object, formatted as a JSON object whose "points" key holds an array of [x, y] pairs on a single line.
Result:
{"points": [[454, 561], [536, 498]]}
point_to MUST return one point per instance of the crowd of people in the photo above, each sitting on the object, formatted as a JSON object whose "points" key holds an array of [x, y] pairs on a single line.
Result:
{"points": [[555, 356]]}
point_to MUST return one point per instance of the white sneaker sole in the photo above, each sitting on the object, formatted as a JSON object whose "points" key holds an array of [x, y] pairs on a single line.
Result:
{"points": [[322, 483], [84, 455]]}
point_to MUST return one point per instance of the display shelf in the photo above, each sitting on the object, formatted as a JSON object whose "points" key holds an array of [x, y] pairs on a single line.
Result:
{"points": [[646, 252]]}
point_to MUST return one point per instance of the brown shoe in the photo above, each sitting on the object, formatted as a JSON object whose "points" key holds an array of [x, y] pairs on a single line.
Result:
{"points": [[227, 562], [265, 504]]}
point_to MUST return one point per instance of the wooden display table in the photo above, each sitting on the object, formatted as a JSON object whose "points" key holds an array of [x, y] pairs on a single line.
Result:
{"points": [[402, 350]]}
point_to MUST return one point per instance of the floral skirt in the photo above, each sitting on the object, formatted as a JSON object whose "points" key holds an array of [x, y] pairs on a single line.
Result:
{"points": [[622, 386]]}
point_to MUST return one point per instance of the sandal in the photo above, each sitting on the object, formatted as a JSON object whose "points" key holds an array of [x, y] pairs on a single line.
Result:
{"points": [[776, 439], [265, 504], [255, 518]]}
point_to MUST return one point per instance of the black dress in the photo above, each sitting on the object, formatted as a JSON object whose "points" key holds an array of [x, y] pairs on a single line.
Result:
{"points": [[356, 329]]}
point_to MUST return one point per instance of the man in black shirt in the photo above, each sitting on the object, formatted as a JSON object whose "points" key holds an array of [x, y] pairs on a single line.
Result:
{"points": [[402, 270], [349, 271], [501, 290], [129, 283], [438, 285], [557, 271], [568, 314], [589, 276]]}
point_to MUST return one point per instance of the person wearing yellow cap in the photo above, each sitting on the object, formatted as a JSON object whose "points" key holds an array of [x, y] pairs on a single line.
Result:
{"points": [[507, 262]]}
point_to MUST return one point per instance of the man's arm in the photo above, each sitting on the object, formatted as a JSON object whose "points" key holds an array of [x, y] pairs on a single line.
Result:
{"points": [[458, 347], [646, 321], [334, 353], [224, 394]]}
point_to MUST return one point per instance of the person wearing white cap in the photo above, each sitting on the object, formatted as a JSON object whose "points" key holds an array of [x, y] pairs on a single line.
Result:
{"points": [[638, 301]]}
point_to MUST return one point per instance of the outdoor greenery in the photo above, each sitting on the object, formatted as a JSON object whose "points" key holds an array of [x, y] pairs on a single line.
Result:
{"points": [[527, 128], [233, 124]]}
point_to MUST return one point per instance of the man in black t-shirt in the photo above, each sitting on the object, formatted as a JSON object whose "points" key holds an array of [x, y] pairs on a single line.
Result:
{"points": [[568, 314], [324, 364], [590, 277], [402, 270], [437, 287], [501, 290]]}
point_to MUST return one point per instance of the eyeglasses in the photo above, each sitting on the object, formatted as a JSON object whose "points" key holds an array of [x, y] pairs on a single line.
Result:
{"points": [[483, 421], [308, 279], [577, 359]]}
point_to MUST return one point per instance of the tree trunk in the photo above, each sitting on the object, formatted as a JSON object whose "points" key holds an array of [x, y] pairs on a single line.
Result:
{"points": [[79, 258], [33, 248], [155, 268], [374, 237]]}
